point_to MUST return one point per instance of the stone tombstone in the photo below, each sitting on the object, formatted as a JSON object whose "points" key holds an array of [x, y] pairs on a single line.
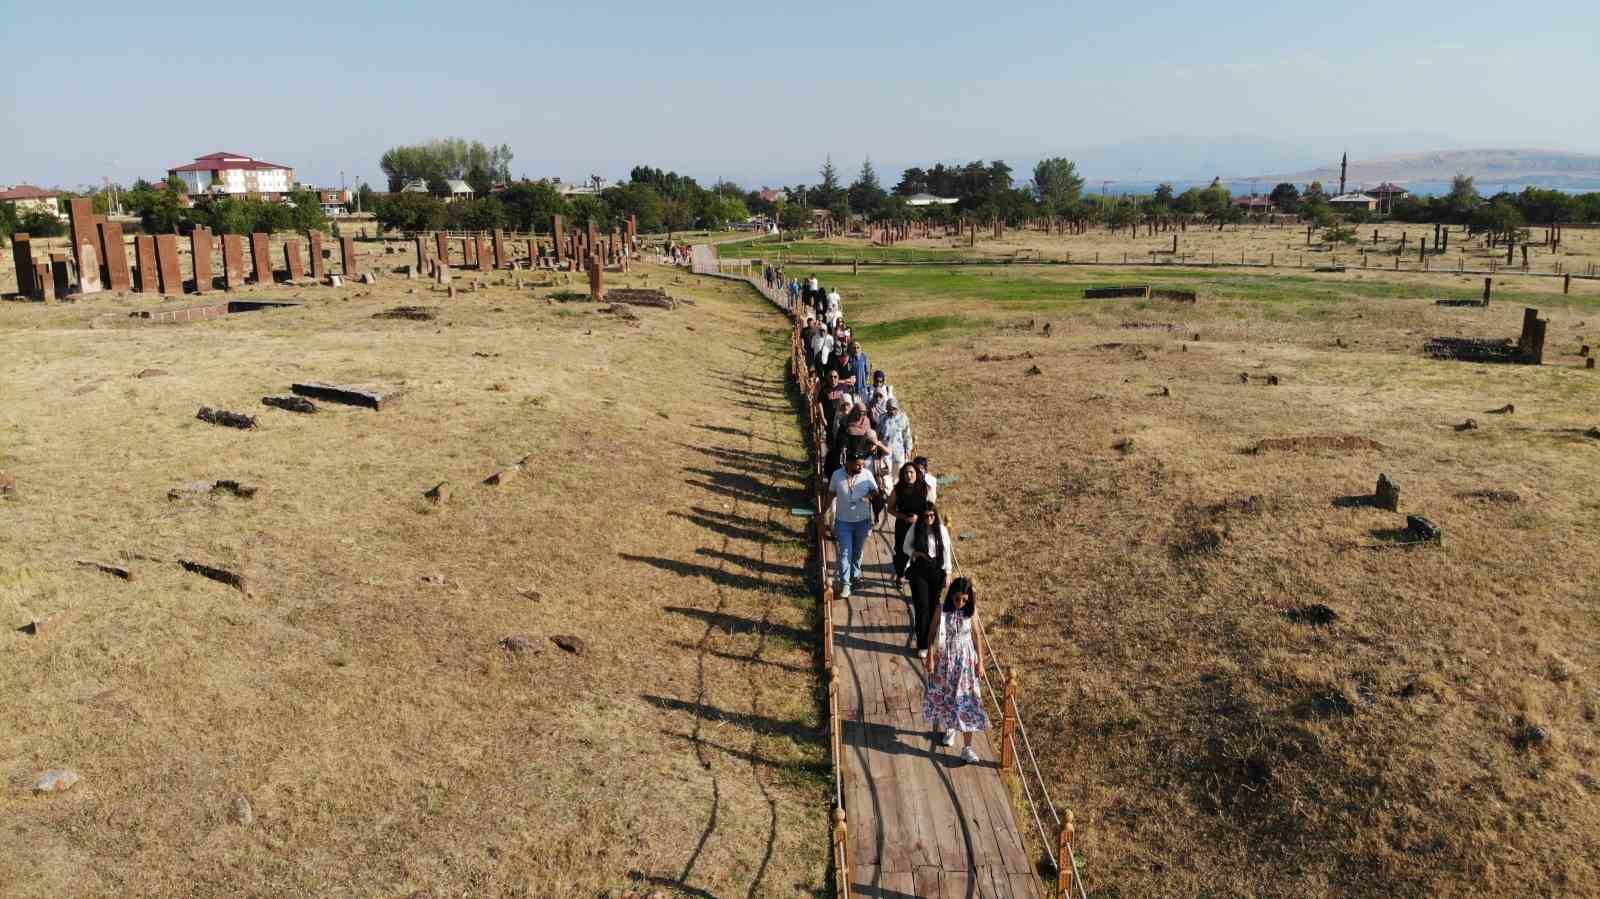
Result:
{"points": [[422, 253], [59, 276], [442, 245], [559, 225], [80, 210], [441, 271], [348, 262], [485, 260], [22, 264], [319, 269], [43, 282], [144, 256], [261, 257], [167, 267], [232, 261], [500, 260], [292, 263], [200, 244], [597, 289], [116, 255], [533, 253], [467, 250]]}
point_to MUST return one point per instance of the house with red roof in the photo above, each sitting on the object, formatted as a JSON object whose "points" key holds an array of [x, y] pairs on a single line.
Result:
{"points": [[26, 198], [232, 174]]}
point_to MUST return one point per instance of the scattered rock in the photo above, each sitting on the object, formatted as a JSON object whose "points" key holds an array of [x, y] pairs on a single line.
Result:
{"points": [[225, 418], [349, 394], [1244, 377], [1424, 530], [152, 373], [220, 575], [289, 403], [196, 488], [500, 387], [1592, 433], [1470, 424], [1272, 380], [1033, 370], [105, 568], [1529, 735], [439, 493], [967, 535], [58, 781], [39, 627], [518, 645], [486, 355], [1507, 409], [1316, 615], [571, 644], [1387, 494], [531, 595], [240, 812], [433, 580], [1047, 329], [1125, 446], [1163, 390]]}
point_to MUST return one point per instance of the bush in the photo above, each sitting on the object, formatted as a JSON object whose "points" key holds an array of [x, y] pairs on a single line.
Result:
{"points": [[1336, 234], [410, 212], [41, 224]]}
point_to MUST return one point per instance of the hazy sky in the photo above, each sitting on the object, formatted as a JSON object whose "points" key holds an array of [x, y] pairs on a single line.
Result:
{"points": [[758, 93]]}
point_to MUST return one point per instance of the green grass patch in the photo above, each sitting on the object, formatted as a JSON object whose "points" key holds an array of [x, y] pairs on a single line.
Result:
{"points": [[884, 332]]}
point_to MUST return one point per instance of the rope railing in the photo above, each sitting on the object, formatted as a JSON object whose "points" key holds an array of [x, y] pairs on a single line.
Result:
{"points": [[1060, 851]]}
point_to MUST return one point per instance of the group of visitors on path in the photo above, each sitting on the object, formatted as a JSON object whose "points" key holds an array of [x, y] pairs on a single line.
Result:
{"points": [[875, 475]]}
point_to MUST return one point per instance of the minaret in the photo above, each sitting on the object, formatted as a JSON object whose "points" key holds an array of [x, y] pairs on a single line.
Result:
{"points": [[1344, 166]]}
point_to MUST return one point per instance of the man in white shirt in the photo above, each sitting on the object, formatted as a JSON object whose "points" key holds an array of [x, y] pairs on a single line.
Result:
{"points": [[822, 346], [852, 488], [921, 462]]}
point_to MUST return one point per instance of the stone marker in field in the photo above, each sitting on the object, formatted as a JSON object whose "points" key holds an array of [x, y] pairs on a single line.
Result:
{"points": [[500, 259], [117, 277], [171, 276], [261, 257], [1387, 494], [442, 245], [61, 274], [43, 281], [485, 261], [597, 290], [84, 242], [441, 272], [292, 262], [144, 259], [28, 284], [200, 255], [319, 268], [349, 394], [232, 261], [220, 575], [559, 225], [347, 256], [422, 253]]}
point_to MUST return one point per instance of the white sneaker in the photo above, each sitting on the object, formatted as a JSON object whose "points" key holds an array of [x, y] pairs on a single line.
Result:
{"points": [[949, 739], [844, 590], [968, 756], [922, 653]]}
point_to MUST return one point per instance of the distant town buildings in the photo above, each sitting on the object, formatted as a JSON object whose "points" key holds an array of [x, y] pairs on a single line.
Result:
{"points": [[334, 201], [930, 200], [1255, 203], [774, 196], [25, 198], [231, 174], [1353, 201], [589, 188]]}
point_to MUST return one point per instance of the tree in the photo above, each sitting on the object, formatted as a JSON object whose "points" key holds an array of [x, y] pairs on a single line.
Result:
{"points": [[410, 212], [866, 194], [366, 197], [1500, 217], [159, 210], [306, 215], [1463, 198], [1314, 193], [37, 223], [8, 221], [913, 181], [1058, 185], [828, 193], [1286, 197], [478, 214], [532, 205], [1163, 195], [478, 178], [438, 160], [637, 199]]}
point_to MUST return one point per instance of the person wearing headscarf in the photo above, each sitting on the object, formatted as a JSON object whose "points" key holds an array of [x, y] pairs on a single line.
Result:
{"points": [[894, 430], [863, 370]]}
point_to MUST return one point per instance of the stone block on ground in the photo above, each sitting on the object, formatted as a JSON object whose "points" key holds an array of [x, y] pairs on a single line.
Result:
{"points": [[220, 575], [1387, 494], [289, 403], [371, 397]]}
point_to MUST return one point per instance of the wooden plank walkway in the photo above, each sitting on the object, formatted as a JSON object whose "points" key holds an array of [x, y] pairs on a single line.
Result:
{"points": [[922, 823]]}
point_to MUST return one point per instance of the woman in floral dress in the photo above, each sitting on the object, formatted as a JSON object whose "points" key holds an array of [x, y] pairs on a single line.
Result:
{"points": [[955, 665]]}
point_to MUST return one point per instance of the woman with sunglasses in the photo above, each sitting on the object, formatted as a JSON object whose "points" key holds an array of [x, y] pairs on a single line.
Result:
{"points": [[927, 545]]}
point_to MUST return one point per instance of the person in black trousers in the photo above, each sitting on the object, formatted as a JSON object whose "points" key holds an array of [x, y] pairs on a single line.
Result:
{"points": [[907, 500], [928, 544]]}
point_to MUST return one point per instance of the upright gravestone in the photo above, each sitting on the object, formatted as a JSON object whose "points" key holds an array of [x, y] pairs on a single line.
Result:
{"points": [[232, 261], [442, 245], [319, 269], [43, 282], [144, 256], [597, 290], [533, 253], [422, 253], [167, 264], [84, 241], [485, 260], [58, 275], [117, 276], [559, 224], [500, 260], [292, 262], [200, 244], [468, 248], [22, 263], [441, 272], [347, 256], [261, 257]]}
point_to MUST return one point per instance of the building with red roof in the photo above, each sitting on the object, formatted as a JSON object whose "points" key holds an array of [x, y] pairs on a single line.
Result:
{"points": [[26, 198], [234, 174]]}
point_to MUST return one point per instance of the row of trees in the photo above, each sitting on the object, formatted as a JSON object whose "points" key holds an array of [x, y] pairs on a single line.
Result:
{"points": [[437, 161], [160, 210], [660, 200]]}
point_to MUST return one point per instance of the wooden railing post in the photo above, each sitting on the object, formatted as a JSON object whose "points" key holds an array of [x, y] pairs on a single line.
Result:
{"points": [[841, 846], [1008, 726], [1064, 868]]}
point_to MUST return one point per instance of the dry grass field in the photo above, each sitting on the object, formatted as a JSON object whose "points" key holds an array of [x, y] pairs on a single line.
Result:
{"points": [[358, 693], [1283, 245], [1239, 676]]}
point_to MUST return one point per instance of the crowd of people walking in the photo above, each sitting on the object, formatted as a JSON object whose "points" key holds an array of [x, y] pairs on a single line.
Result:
{"points": [[876, 480]]}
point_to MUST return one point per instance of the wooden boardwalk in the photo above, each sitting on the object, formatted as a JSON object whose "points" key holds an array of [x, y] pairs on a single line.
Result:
{"points": [[922, 823]]}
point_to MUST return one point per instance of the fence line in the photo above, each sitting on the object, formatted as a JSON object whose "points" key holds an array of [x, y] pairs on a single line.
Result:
{"points": [[1063, 858]]}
